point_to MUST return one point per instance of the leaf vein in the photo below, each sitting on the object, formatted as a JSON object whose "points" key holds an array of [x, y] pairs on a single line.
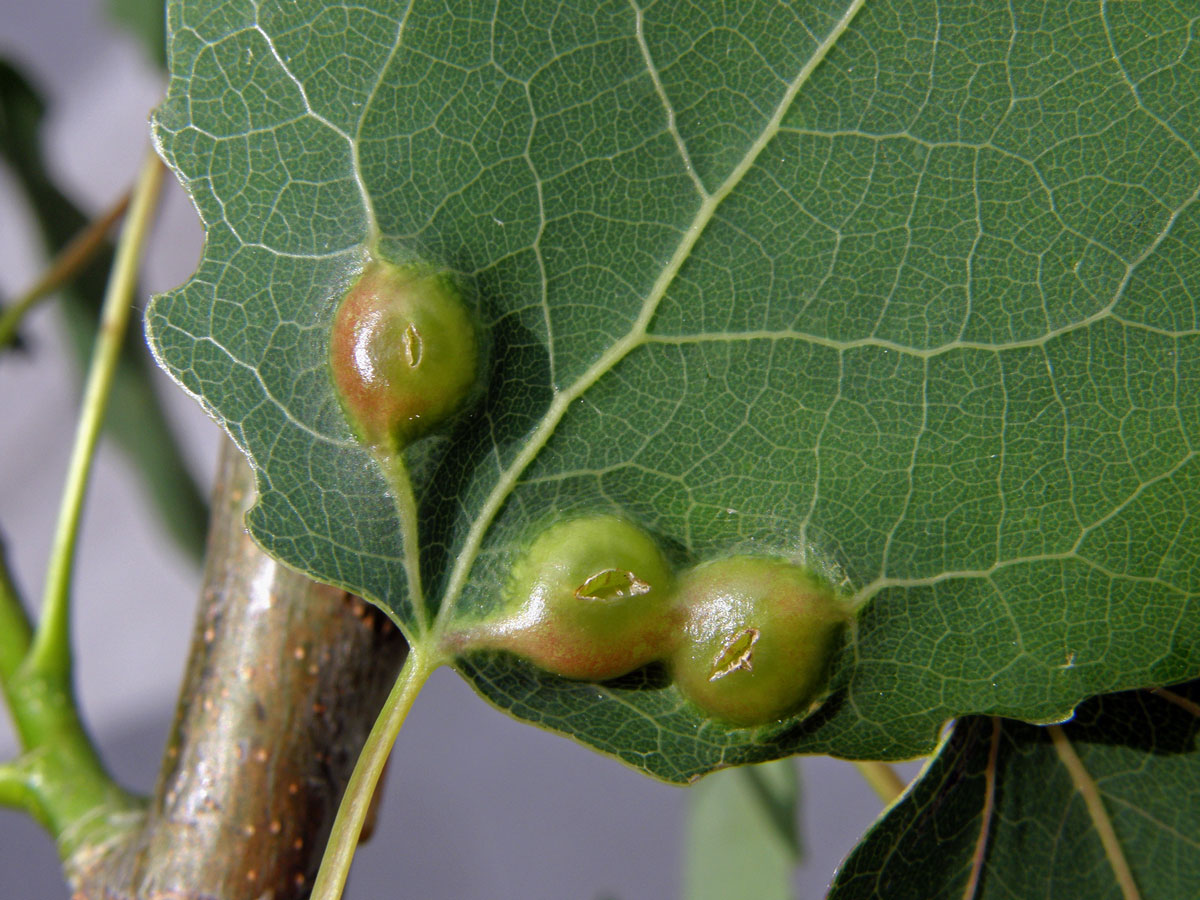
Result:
{"points": [[666, 102], [637, 333], [1086, 787]]}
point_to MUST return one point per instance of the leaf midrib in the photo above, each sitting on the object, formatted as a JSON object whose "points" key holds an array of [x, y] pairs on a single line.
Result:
{"points": [[636, 335]]}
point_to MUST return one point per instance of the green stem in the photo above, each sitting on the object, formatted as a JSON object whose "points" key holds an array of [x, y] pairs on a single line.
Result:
{"points": [[14, 788], [51, 652], [66, 786], [882, 778], [65, 266], [339, 852], [15, 631]]}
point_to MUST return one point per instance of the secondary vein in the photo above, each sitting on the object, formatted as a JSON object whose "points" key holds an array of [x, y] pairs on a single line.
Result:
{"points": [[1090, 793], [637, 332]]}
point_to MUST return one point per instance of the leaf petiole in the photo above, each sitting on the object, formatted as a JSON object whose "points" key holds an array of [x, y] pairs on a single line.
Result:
{"points": [[50, 654], [882, 778], [356, 802]]}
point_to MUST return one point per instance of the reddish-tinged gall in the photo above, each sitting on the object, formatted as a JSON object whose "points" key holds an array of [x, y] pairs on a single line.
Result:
{"points": [[403, 353], [589, 598], [758, 637]]}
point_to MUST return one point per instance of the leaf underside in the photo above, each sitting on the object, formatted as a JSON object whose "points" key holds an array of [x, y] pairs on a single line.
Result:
{"points": [[910, 296], [999, 815]]}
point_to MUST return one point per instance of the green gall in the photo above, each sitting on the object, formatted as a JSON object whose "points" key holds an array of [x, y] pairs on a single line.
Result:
{"points": [[403, 353], [589, 598], [758, 636]]}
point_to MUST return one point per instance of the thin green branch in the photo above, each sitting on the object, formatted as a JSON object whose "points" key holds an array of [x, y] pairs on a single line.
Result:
{"points": [[62, 269], [15, 791], [356, 802], [15, 630], [51, 654], [60, 779]]}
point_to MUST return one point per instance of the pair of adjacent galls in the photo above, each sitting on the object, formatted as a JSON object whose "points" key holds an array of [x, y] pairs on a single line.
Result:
{"points": [[747, 639]]}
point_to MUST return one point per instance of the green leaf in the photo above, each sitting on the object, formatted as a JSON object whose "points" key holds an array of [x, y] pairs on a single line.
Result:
{"points": [[998, 813], [135, 417], [909, 294], [742, 837]]}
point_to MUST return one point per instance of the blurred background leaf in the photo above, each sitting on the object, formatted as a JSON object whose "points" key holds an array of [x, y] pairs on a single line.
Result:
{"points": [[146, 20], [743, 839], [135, 417]]}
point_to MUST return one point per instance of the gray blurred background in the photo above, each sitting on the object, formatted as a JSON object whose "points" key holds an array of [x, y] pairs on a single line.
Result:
{"points": [[477, 805]]}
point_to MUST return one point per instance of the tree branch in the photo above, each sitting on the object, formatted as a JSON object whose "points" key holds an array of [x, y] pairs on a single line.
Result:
{"points": [[284, 681]]}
